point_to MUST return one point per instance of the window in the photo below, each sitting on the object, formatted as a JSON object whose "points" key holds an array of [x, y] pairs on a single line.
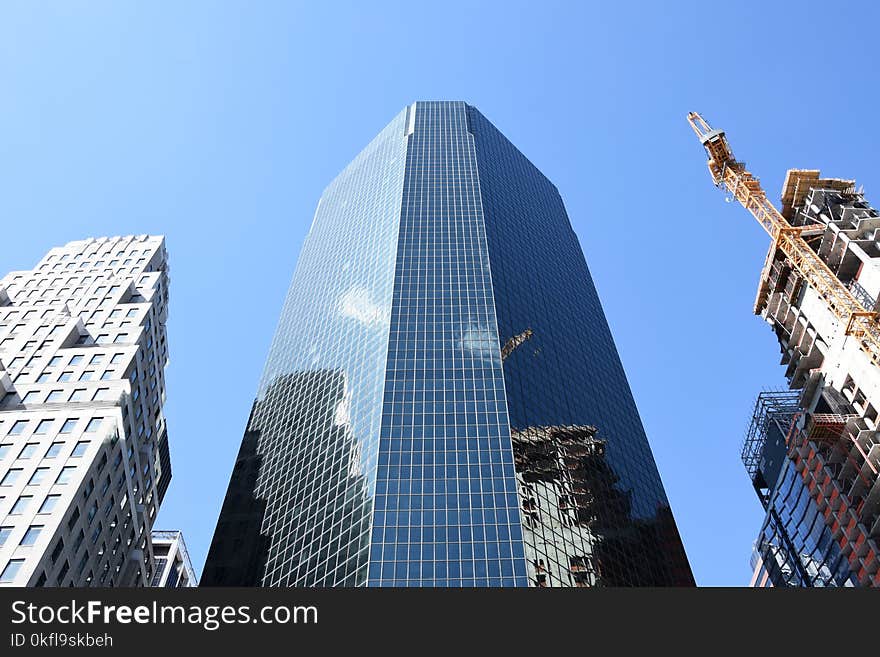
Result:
{"points": [[31, 535], [87, 375], [43, 378], [4, 534], [56, 395], [79, 539], [38, 477], [117, 358], [107, 376], [53, 451], [4, 450], [132, 313], [120, 338], [79, 449], [59, 548], [43, 427], [11, 476], [55, 360], [28, 451], [69, 425], [64, 377], [18, 427], [97, 359], [76, 360], [78, 395], [74, 516], [31, 397], [102, 339], [21, 504], [102, 394], [11, 570], [93, 424], [49, 504], [65, 475]]}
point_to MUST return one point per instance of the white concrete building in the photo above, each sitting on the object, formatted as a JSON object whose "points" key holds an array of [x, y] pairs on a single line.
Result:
{"points": [[84, 460], [173, 569], [817, 473]]}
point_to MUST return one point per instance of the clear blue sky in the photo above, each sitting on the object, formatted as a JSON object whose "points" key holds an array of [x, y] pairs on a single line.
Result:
{"points": [[218, 124]]}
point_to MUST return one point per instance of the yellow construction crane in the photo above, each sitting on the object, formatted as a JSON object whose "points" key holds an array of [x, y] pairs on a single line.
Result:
{"points": [[727, 173]]}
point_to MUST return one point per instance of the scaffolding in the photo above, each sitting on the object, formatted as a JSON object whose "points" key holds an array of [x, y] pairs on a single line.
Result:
{"points": [[779, 406]]}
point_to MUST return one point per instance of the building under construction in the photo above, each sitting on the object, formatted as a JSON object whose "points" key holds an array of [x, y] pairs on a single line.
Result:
{"points": [[813, 452]]}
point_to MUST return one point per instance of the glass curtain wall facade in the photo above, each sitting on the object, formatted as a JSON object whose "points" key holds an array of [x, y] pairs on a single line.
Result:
{"points": [[796, 546], [594, 507], [443, 404]]}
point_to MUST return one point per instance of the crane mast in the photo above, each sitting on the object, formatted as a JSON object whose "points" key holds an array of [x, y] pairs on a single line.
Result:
{"points": [[729, 174]]}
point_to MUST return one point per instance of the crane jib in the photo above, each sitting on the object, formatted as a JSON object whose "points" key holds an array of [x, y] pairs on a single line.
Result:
{"points": [[728, 173]]}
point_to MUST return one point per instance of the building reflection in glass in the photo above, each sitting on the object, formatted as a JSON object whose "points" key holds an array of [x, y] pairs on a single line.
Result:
{"points": [[578, 524], [308, 529]]}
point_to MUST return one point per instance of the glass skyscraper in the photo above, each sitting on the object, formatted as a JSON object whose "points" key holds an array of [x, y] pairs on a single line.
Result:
{"points": [[443, 404]]}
